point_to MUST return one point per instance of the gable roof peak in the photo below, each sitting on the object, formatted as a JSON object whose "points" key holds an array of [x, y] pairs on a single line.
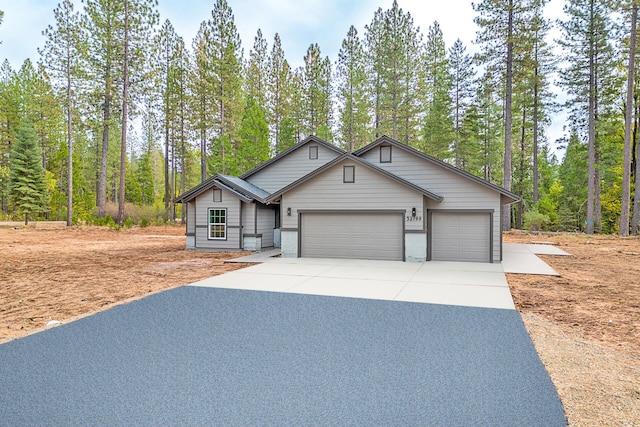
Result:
{"points": [[308, 139]]}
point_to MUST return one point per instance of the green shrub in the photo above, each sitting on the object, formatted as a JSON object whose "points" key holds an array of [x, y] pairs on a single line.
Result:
{"points": [[128, 222], [535, 221], [143, 222]]}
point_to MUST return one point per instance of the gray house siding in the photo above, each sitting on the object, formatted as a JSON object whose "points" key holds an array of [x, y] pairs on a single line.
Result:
{"points": [[291, 167], [459, 193], [266, 223], [229, 202], [370, 191], [191, 224]]}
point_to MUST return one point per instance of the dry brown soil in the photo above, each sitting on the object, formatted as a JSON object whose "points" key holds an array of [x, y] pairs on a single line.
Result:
{"points": [[63, 274], [584, 324]]}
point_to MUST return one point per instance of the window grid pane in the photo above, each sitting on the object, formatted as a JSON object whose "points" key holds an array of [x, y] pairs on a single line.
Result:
{"points": [[218, 224]]}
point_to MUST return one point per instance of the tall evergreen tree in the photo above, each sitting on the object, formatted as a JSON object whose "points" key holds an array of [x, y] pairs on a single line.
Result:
{"points": [[256, 71], [101, 24], [140, 17], [254, 136], [351, 79], [438, 130], [626, 173], [9, 123], [462, 89], [497, 38], [27, 178], [225, 56], [62, 55], [202, 89], [589, 81], [393, 46], [279, 92], [317, 93]]}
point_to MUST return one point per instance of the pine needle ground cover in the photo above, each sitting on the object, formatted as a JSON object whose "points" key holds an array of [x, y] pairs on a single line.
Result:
{"points": [[585, 324]]}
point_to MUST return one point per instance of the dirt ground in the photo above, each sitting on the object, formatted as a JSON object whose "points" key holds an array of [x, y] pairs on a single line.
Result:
{"points": [[584, 324], [64, 274]]}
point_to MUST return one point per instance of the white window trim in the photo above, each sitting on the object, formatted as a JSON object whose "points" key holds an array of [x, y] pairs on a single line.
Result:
{"points": [[209, 224]]}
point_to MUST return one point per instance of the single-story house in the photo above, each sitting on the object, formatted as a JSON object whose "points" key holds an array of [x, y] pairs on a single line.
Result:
{"points": [[385, 201]]}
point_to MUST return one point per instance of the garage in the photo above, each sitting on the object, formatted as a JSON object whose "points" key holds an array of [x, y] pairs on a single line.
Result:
{"points": [[460, 236], [357, 235]]}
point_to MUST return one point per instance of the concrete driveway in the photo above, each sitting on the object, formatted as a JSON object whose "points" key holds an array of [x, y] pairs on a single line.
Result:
{"points": [[469, 284]]}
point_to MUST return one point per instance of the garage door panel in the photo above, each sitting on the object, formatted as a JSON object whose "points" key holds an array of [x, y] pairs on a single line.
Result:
{"points": [[460, 236], [352, 235]]}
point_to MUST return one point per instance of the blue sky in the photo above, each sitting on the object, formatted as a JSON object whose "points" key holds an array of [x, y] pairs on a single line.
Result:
{"points": [[299, 23]]}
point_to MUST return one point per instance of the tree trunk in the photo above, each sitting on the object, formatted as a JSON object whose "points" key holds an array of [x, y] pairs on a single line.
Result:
{"points": [[591, 170], [521, 177], [506, 212], [636, 194], [536, 195], [101, 198], [626, 173], [125, 104], [69, 143]]}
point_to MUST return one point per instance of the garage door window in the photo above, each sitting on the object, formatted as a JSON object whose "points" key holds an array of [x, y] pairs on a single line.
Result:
{"points": [[217, 224]]}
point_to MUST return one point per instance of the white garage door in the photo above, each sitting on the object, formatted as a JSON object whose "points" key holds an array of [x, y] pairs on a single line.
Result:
{"points": [[460, 236], [352, 235]]}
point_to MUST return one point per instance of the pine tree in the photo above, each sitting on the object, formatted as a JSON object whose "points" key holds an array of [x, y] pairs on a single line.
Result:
{"points": [[351, 77], [62, 55], [225, 56], [202, 89], [102, 27], [254, 137], [27, 178], [438, 129], [498, 38], [166, 41], [393, 46], [589, 80], [9, 123], [256, 71], [317, 93], [279, 92], [462, 89], [626, 174]]}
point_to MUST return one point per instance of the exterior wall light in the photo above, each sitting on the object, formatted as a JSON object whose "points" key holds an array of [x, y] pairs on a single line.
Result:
{"points": [[413, 212], [288, 211]]}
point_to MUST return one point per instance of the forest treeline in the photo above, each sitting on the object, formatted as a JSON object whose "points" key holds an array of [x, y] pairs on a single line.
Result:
{"points": [[123, 114]]}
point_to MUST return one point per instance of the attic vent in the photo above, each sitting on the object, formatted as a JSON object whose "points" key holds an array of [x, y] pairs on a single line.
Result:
{"points": [[313, 152], [349, 174], [385, 154]]}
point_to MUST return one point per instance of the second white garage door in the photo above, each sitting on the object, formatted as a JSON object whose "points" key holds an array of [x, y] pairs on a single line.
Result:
{"points": [[376, 235], [460, 236]]}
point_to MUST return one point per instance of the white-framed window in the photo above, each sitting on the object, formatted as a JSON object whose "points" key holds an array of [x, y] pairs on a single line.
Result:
{"points": [[217, 224], [217, 195], [313, 152], [349, 174], [385, 154]]}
